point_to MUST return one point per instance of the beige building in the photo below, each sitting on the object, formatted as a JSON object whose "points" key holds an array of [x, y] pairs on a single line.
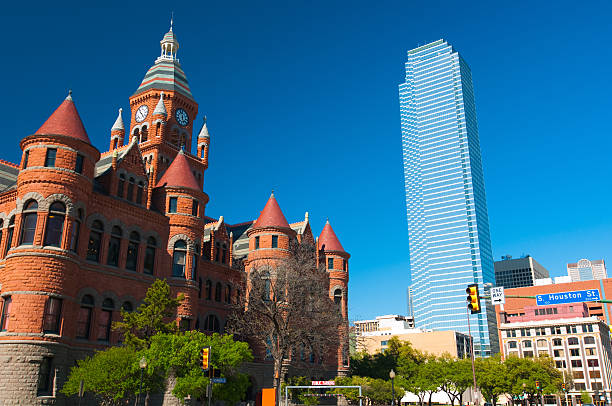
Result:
{"points": [[373, 336]]}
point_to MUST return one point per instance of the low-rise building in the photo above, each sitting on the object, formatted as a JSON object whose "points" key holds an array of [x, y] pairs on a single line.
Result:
{"points": [[578, 343], [373, 336]]}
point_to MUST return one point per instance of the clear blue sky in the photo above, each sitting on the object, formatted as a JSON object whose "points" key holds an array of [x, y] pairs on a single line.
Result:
{"points": [[302, 98]]}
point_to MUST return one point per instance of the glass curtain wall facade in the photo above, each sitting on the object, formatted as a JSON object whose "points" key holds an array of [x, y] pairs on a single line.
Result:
{"points": [[448, 225]]}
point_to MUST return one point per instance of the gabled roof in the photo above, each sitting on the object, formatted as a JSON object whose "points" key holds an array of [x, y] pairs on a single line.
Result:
{"points": [[179, 174], [329, 239], [106, 160], [65, 120], [271, 215]]}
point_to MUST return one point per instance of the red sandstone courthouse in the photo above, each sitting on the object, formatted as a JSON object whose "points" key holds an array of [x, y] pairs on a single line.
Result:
{"points": [[84, 234]]}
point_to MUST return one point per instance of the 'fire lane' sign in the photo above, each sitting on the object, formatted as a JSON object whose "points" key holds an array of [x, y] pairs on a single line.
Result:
{"points": [[590, 295]]}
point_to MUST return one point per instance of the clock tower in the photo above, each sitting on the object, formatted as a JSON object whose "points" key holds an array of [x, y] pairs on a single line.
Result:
{"points": [[163, 111]]}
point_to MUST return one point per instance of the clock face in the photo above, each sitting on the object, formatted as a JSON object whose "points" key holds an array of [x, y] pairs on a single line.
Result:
{"points": [[182, 117], [141, 113]]}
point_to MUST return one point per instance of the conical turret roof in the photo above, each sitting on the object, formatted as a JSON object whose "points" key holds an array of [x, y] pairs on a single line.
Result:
{"points": [[179, 174], [65, 120], [329, 239], [118, 126], [271, 215]]}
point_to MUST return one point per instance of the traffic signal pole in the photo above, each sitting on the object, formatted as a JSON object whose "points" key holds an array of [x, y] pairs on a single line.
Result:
{"points": [[472, 353]]}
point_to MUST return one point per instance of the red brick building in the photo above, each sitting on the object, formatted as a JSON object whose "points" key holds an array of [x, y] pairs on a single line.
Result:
{"points": [[84, 234]]}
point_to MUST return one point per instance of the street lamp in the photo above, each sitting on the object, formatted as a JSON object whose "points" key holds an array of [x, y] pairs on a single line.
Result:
{"points": [[392, 376], [143, 365]]}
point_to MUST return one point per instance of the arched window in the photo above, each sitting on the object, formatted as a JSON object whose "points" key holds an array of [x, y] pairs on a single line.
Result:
{"points": [[139, 192], [557, 342], [572, 341], [144, 135], [130, 190], [84, 317], [199, 289], [526, 344], [589, 340], [212, 324], [267, 288], [28, 222], [149, 262], [542, 343], [1, 230], [114, 246], [338, 296], [115, 143], [228, 294], [105, 320], [179, 258], [127, 307], [131, 262], [121, 185], [95, 239], [218, 292], [76, 231], [194, 262], [511, 344], [223, 258], [9, 235], [208, 289], [55, 224]]}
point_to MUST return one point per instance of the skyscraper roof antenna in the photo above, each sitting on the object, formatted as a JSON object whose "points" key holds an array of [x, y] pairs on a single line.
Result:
{"points": [[171, 19]]}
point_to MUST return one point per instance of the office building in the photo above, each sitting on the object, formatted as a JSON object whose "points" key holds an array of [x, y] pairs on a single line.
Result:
{"points": [[585, 270], [373, 336], [518, 272], [448, 225], [578, 343]]}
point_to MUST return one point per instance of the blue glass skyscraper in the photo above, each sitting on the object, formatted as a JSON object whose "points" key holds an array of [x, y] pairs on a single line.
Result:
{"points": [[448, 225]]}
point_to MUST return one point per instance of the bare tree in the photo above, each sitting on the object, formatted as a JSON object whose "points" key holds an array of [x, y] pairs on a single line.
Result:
{"points": [[288, 310]]}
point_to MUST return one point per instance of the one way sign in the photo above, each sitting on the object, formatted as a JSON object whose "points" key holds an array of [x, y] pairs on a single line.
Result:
{"points": [[497, 296]]}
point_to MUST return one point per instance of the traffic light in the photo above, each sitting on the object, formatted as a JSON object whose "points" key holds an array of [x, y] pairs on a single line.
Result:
{"points": [[204, 358], [538, 385], [473, 298], [563, 386]]}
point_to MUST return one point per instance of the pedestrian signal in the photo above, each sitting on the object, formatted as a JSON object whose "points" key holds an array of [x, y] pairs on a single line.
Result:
{"points": [[473, 298], [204, 358]]}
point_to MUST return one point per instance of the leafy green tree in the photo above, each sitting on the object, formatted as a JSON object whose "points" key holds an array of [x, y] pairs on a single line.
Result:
{"points": [[491, 376], [300, 396], [155, 315], [112, 375], [585, 397], [522, 373], [179, 355], [375, 391], [455, 376]]}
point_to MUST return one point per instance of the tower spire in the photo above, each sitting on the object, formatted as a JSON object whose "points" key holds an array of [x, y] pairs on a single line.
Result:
{"points": [[171, 20]]}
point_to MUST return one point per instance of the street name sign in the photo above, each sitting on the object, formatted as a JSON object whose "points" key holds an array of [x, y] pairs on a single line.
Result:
{"points": [[497, 296], [323, 383], [218, 380], [590, 295]]}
